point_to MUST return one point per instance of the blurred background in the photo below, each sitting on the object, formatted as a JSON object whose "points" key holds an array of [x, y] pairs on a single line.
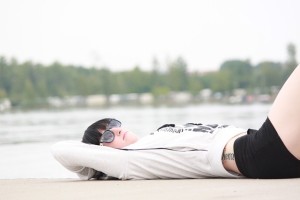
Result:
{"points": [[65, 64]]}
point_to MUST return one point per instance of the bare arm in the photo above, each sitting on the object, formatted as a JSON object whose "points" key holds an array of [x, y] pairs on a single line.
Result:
{"points": [[228, 158]]}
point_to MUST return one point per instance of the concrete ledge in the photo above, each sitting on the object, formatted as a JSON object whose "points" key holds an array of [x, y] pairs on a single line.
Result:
{"points": [[43, 189]]}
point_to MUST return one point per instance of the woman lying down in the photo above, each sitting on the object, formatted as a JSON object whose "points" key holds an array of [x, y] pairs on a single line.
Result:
{"points": [[192, 150]]}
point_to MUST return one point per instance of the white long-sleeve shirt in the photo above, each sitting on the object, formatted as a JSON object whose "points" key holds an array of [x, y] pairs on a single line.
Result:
{"points": [[189, 151]]}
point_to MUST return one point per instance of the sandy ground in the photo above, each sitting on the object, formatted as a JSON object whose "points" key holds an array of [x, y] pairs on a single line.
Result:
{"points": [[254, 189]]}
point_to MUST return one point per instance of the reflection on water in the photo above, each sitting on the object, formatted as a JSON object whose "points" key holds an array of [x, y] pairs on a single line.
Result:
{"points": [[26, 137]]}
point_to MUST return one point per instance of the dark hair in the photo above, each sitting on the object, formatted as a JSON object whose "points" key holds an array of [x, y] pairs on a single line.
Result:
{"points": [[92, 135]]}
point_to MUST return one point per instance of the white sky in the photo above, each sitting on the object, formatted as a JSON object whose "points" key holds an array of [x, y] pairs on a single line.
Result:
{"points": [[121, 34]]}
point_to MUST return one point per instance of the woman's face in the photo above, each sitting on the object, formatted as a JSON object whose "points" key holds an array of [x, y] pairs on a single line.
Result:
{"points": [[122, 138]]}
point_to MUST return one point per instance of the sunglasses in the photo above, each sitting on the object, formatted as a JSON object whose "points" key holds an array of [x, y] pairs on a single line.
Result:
{"points": [[108, 136]]}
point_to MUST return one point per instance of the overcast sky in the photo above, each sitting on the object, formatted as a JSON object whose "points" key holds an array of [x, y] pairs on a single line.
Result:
{"points": [[121, 34]]}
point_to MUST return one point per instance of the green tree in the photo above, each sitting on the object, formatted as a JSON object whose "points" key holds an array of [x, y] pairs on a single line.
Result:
{"points": [[266, 75], [177, 75], [238, 72], [195, 83], [222, 81], [5, 76], [291, 61]]}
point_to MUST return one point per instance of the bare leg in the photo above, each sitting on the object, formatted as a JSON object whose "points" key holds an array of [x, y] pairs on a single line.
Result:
{"points": [[285, 117], [285, 113]]}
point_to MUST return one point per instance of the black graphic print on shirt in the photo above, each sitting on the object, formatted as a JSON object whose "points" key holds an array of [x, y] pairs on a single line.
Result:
{"points": [[190, 127]]}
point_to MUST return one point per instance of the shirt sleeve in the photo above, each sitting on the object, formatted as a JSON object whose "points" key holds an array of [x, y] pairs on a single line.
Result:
{"points": [[84, 159]]}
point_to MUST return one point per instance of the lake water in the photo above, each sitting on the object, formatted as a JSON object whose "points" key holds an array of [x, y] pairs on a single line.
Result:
{"points": [[26, 137]]}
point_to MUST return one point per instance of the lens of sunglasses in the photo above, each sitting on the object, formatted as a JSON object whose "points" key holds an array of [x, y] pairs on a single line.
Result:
{"points": [[107, 137], [114, 123]]}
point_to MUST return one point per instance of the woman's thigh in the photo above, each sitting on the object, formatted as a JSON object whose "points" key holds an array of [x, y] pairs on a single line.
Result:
{"points": [[285, 113]]}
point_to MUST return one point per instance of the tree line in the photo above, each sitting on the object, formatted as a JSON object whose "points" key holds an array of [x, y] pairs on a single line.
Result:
{"points": [[29, 84]]}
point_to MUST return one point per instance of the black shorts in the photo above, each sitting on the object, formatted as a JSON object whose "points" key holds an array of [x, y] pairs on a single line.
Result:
{"points": [[262, 154]]}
